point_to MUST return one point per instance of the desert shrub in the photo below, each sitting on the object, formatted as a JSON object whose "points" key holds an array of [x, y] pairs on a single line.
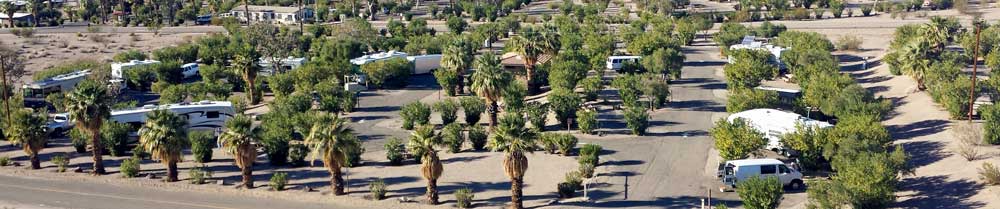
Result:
{"points": [[61, 162], [969, 138], [114, 137], [990, 174], [130, 167], [548, 142], [395, 151], [473, 107], [415, 113], [637, 120], [276, 140], [199, 175], [849, 42], [464, 197], [391, 73], [23, 32], [819, 13], [760, 193], [448, 109], [452, 136], [586, 170], [991, 124], [377, 189], [590, 154], [477, 136], [278, 181], [566, 189], [537, 115], [574, 178], [447, 79], [354, 154], [866, 10], [586, 121], [202, 143], [565, 143]]}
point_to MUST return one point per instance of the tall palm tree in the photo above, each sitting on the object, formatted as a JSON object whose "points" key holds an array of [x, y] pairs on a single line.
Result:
{"points": [[457, 57], [915, 61], [245, 65], [238, 140], [89, 105], [936, 33], [512, 138], [333, 140], [8, 8], [531, 44], [489, 82], [28, 130], [423, 140], [164, 137]]}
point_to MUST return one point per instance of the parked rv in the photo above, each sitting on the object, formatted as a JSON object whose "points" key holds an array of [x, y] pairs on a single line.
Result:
{"points": [[615, 62], [734, 171], [776, 123], [118, 70], [35, 92], [425, 63], [204, 115], [287, 64]]}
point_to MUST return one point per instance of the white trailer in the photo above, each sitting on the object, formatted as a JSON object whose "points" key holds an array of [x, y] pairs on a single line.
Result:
{"points": [[615, 62], [35, 92], [776, 123], [204, 115], [287, 64], [424, 63]]}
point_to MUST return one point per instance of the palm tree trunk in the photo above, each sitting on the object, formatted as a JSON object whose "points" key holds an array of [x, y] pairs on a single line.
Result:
{"points": [[529, 70], [432, 193], [337, 181], [251, 90], [493, 109], [460, 87], [246, 10], [172, 171], [515, 190], [35, 163], [248, 176], [95, 140]]}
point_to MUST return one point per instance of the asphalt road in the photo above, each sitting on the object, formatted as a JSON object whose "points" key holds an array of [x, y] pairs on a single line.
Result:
{"points": [[60, 193]]}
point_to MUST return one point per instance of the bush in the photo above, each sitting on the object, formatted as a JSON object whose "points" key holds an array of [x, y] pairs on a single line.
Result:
{"points": [[637, 120], [866, 10], [587, 170], [548, 142], [591, 87], [736, 140], [990, 174], [114, 137], [452, 136], [969, 137], [377, 188], [537, 115], [448, 109], [395, 151], [564, 103], [130, 167], [748, 99], [278, 181], [297, 154], [23, 32], [129, 55], [354, 155], [199, 175], [849, 42], [391, 73], [658, 91], [991, 124], [819, 13], [586, 121], [590, 154], [565, 143], [202, 143], [566, 190], [447, 79], [477, 136], [758, 193], [275, 141], [473, 107], [464, 197], [574, 178], [61, 162], [415, 113], [79, 140]]}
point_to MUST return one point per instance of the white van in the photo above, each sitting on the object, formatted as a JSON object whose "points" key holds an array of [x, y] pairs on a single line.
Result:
{"points": [[738, 170], [189, 70], [615, 62]]}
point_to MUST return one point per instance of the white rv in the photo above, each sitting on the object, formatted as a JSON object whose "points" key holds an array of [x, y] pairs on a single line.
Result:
{"points": [[751, 43], [377, 56], [118, 69], [35, 92], [287, 64], [205, 115], [775, 123], [424, 63], [615, 62], [734, 171]]}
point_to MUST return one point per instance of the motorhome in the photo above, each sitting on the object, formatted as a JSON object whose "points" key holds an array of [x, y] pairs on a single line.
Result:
{"points": [[118, 70], [35, 92], [423, 64], [615, 62], [776, 123], [287, 64], [203, 115], [751, 43], [734, 171]]}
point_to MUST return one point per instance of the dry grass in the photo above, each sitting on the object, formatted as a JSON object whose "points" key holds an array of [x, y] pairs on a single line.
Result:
{"points": [[990, 174], [969, 136], [849, 42]]}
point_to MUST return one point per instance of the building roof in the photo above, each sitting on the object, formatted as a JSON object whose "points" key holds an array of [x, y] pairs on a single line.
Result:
{"points": [[258, 8], [765, 161], [511, 59]]}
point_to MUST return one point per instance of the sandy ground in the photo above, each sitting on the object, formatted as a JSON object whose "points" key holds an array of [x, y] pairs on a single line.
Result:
{"points": [[14, 205]]}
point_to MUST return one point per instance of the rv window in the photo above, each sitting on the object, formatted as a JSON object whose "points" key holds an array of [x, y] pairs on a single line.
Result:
{"points": [[767, 169], [212, 114], [783, 169]]}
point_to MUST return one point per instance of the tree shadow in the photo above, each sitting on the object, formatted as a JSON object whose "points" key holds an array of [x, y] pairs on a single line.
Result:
{"points": [[461, 159], [918, 129], [939, 192], [697, 105], [688, 133], [924, 152], [377, 109], [624, 162], [704, 63], [713, 86]]}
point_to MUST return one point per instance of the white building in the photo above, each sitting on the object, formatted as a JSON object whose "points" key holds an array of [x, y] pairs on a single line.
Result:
{"points": [[775, 123], [750, 42], [272, 14]]}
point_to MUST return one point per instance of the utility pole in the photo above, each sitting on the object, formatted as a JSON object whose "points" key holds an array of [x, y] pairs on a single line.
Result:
{"points": [[975, 65], [6, 98]]}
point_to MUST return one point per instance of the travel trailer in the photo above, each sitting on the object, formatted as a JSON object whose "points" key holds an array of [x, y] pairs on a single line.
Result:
{"points": [[287, 64], [734, 171], [751, 43], [615, 62], [774, 124], [35, 92], [424, 63], [204, 115], [118, 70]]}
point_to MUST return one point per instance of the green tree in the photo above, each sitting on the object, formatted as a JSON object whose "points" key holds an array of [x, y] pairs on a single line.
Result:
{"points": [[809, 142], [245, 65], [238, 140], [473, 108], [637, 120], [164, 137], [531, 44], [331, 140], [664, 62], [458, 57], [564, 103], [456, 24], [424, 141], [760, 193], [748, 99], [991, 124], [89, 105], [129, 55], [514, 140], [490, 81], [749, 68], [27, 130], [447, 79], [737, 139]]}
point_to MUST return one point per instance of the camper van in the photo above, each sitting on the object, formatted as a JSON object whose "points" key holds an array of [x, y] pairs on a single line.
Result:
{"points": [[35, 92], [774, 124], [734, 171], [203, 115], [423, 64], [615, 62]]}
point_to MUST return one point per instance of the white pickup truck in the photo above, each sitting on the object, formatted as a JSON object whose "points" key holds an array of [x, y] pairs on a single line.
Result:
{"points": [[58, 124]]}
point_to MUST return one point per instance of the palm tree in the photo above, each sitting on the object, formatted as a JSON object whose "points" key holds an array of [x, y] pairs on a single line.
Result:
{"points": [[238, 141], [164, 137], [936, 33], [245, 65], [331, 138], [915, 61], [457, 57], [489, 82], [530, 45], [33, 7], [89, 105], [512, 138], [8, 8], [28, 130], [423, 141]]}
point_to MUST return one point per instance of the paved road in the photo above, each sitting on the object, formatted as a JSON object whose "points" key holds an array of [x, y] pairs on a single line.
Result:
{"points": [[59, 193]]}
